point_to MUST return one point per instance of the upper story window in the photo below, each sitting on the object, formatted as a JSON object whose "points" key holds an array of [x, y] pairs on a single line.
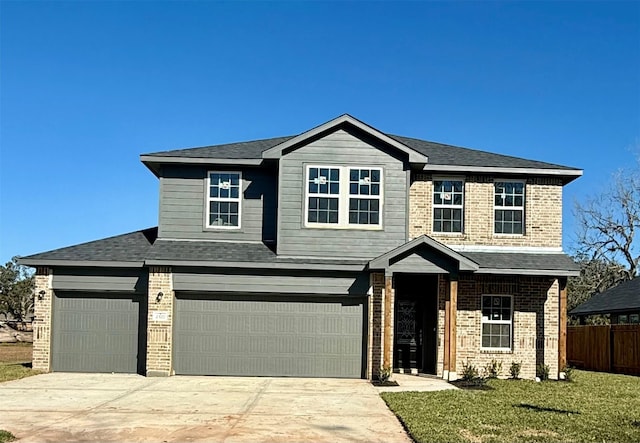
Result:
{"points": [[448, 205], [343, 197], [223, 199], [509, 201], [497, 321]]}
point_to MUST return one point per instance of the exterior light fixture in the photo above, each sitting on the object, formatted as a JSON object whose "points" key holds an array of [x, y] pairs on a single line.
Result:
{"points": [[41, 294], [159, 297]]}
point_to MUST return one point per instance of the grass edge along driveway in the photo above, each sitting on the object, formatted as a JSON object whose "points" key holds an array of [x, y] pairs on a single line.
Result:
{"points": [[592, 407]]}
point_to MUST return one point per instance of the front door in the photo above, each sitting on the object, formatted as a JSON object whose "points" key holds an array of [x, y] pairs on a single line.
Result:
{"points": [[415, 328]]}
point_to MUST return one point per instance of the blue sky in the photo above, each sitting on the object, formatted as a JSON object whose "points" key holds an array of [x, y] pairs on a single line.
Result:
{"points": [[86, 87]]}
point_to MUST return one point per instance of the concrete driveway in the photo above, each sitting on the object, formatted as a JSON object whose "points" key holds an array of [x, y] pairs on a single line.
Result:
{"points": [[131, 408]]}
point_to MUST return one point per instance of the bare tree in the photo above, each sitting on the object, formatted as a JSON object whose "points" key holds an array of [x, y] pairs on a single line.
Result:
{"points": [[609, 224]]}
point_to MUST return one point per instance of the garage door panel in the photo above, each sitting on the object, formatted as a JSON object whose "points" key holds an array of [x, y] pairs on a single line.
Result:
{"points": [[275, 336], [97, 333]]}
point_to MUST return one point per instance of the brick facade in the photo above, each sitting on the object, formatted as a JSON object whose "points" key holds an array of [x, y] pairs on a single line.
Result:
{"points": [[42, 319], [543, 213], [535, 322], [160, 331], [376, 324]]}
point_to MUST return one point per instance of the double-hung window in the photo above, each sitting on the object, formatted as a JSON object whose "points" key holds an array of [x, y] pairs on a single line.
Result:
{"points": [[223, 199], [509, 201], [448, 205], [497, 322], [343, 197]]}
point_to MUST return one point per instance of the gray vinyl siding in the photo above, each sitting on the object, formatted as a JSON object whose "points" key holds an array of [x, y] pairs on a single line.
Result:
{"points": [[96, 332], [296, 282], [183, 206], [269, 336], [341, 149], [101, 279]]}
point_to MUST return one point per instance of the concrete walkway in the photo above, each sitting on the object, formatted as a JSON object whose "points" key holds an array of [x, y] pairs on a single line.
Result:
{"points": [[130, 408], [422, 383]]}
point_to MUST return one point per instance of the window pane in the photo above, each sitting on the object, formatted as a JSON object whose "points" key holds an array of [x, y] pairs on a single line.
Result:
{"points": [[353, 217], [313, 188], [375, 189], [375, 218], [335, 175], [333, 217], [353, 189], [353, 175], [375, 176], [335, 188], [495, 341], [485, 341], [313, 216]]}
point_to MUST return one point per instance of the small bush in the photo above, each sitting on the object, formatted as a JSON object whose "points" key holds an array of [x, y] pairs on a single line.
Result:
{"points": [[493, 369], [6, 436], [514, 370], [542, 372], [469, 371], [568, 373], [384, 374]]}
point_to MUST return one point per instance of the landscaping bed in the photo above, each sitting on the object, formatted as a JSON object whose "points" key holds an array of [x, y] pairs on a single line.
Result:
{"points": [[592, 407]]}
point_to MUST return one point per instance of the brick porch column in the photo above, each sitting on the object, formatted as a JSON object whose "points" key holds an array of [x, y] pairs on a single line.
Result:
{"points": [[389, 303], [160, 322], [376, 324], [562, 336], [42, 319]]}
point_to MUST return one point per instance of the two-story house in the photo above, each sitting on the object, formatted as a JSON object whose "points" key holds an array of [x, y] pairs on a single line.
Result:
{"points": [[332, 253]]}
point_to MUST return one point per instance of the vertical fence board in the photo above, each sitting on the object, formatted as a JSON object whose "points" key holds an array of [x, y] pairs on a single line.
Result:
{"points": [[610, 348]]}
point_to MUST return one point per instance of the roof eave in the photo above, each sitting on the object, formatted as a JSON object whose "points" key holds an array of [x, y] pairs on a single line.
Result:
{"points": [[537, 272], [277, 151], [568, 174], [153, 161], [26, 261], [255, 264]]}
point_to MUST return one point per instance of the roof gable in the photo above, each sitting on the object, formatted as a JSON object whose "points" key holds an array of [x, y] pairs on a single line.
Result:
{"points": [[345, 120], [423, 253]]}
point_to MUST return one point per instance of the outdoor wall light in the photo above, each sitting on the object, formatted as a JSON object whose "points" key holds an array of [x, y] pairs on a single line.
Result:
{"points": [[41, 295], [159, 297]]}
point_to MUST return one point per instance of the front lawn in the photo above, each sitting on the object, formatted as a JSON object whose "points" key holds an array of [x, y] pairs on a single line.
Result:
{"points": [[15, 361], [593, 407]]}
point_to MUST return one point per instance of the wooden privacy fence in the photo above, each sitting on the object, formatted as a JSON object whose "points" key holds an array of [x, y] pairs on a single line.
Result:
{"points": [[610, 348]]}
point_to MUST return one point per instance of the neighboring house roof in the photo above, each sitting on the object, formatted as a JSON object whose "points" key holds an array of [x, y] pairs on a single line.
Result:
{"points": [[140, 248], [433, 156], [624, 297], [122, 250]]}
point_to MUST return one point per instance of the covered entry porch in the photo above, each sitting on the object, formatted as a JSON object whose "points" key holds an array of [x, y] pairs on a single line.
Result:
{"points": [[408, 285]]}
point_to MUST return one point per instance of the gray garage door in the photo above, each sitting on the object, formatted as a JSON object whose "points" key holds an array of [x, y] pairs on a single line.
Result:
{"points": [[97, 333], [269, 336]]}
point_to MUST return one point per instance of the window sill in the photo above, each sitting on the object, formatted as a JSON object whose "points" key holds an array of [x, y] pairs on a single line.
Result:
{"points": [[495, 351]]}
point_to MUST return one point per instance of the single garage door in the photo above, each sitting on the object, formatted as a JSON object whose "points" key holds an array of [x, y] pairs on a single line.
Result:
{"points": [[269, 336], [97, 333]]}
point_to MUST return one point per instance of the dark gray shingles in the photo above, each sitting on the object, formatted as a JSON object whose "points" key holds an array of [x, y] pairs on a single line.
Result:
{"points": [[126, 247], [625, 296], [173, 250], [524, 261], [438, 153]]}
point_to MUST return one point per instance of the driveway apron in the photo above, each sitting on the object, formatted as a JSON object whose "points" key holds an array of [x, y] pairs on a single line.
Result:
{"points": [[130, 408]]}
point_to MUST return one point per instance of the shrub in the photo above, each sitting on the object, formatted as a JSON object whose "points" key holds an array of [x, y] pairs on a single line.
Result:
{"points": [[384, 374], [542, 371], [493, 369], [514, 369], [469, 371], [568, 373]]}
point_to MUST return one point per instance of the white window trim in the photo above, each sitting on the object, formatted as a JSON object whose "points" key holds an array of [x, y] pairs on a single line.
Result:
{"points": [[497, 322], [461, 207], [343, 199], [523, 207], [208, 199]]}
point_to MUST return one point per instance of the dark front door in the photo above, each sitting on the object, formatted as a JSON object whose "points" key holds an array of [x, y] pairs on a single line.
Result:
{"points": [[415, 329]]}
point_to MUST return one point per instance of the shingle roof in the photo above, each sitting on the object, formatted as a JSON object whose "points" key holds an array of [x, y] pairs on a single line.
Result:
{"points": [[523, 261], [142, 246], [438, 153], [131, 247], [625, 296]]}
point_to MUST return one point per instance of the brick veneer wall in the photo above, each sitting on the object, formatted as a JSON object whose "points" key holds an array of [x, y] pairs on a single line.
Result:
{"points": [[42, 320], [160, 332], [376, 324], [535, 322], [543, 213]]}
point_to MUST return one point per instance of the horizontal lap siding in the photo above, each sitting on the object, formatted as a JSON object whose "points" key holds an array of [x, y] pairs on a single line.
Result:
{"points": [[183, 206], [285, 284], [84, 279], [340, 149]]}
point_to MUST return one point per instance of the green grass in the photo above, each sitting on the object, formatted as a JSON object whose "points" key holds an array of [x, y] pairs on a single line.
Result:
{"points": [[594, 407], [6, 436], [14, 371]]}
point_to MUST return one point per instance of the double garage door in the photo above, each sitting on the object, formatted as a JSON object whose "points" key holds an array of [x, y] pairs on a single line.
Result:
{"points": [[269, 336], [215, 335]]}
